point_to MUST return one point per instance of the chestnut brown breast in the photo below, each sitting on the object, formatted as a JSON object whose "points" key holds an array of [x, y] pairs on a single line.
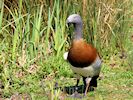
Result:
{"points": [[81, 54]]}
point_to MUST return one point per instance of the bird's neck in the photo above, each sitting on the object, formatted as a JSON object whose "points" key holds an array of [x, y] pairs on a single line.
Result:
{"points": [[77, 31]]}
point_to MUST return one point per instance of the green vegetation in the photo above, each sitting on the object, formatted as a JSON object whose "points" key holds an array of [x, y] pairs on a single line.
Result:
{"points": [[34, 36]]}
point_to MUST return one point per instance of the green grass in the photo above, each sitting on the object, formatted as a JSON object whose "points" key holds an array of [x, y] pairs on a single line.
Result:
{"points": [[34, 36], [116, 81]]}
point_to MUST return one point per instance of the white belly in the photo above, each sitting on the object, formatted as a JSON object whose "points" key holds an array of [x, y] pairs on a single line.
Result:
{"points": [[90, 71]]}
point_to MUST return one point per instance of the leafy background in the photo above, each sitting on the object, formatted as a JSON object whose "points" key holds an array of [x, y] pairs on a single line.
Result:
{"points": [[34, 36]]}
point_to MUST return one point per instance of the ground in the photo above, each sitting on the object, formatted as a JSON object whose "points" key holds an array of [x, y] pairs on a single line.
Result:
{"points": [[115, 82]]}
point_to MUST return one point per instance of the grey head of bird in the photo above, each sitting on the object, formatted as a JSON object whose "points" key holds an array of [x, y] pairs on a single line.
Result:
{"points": [[76, 20]]}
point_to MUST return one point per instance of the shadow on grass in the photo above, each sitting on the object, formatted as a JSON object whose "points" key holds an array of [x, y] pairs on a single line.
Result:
{"points": [[72, 89], [80, 89]]}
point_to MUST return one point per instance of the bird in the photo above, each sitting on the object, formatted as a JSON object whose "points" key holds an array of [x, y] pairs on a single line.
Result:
{"points": [[83, 57]]}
